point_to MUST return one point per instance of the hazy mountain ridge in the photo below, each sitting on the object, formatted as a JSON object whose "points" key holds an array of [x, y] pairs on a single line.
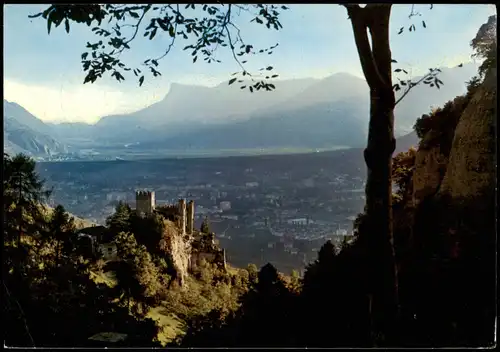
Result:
{"points": [[23, 116], [309, 127], [223, 105], [25, 133], [308, 113]]}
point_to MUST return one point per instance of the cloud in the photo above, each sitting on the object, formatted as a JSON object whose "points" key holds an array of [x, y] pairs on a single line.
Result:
{"points": [[72, 102]]}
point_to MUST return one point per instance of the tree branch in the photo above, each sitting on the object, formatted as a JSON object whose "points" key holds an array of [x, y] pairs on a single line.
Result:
{"points": [[381, 49], [173, 39], [359, 26], [146, 9], [412, 85], [232, 51]]}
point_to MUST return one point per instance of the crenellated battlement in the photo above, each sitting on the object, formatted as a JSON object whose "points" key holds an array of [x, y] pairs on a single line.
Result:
{"points": [[145, 202], [144, 193], [182, 213]]}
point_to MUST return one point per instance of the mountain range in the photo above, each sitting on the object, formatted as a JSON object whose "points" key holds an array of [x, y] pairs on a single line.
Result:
{"points": [[25, 133], [299, 113]]}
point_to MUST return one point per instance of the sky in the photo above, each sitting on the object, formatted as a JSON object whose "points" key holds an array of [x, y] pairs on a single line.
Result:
{"points": [[43, 73]]}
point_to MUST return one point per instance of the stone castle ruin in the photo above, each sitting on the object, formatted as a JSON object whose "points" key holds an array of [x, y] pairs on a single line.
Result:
{"points": [[194, 244], [180, 214], [145, 202]]}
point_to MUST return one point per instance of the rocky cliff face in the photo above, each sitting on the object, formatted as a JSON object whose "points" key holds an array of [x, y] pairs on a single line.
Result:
{"points": [[454, 175], [457, 156], [186, 250], [430, 167], [179, 248], [472, 162]]}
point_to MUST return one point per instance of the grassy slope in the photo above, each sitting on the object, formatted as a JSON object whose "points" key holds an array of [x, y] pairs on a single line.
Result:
{"points": [[80, 223], [170, 325]]}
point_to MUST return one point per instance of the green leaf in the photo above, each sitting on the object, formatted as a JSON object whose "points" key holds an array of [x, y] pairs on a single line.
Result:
{"points": [[171, 31], [397, 70], [84, 56], [394, 61], [269, 68], [134, 14], [141, 80], [423, 24], [251, 89], [49, 24], [231, 81], [66, 24], [162, 24], [194, 59], [153, 33]]}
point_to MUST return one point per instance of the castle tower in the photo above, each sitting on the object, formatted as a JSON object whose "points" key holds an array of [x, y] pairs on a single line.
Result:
{"points": [[144, 202], [224, 258], [190, 217], [182, 215]]}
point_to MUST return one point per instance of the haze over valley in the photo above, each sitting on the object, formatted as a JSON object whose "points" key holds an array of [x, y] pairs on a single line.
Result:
{"points": [[301, 115]]}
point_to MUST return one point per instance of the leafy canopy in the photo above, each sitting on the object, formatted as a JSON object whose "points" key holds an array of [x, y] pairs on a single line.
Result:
{"points": [[204, 28], [485, 45]]}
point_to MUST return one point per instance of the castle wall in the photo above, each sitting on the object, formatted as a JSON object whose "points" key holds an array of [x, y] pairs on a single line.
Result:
{"points": [[182, 215], [190, 217]]}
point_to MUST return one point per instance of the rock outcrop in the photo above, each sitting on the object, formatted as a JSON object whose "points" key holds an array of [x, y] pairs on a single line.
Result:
{"points": [[185, 251], [430, 167], [454, 175], [456, 156], [472, 161], [178, 247]]}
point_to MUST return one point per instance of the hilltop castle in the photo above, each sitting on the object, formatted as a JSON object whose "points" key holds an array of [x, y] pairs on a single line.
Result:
{"points": [[181, 214], [203, 246]]}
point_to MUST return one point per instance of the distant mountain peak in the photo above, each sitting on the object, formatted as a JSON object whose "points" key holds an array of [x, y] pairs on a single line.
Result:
{"points": [[338, 75]]}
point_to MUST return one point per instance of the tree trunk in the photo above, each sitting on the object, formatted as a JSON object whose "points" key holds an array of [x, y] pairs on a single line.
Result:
{"points": [[58, 255], [376, 64], [378, 157]]}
